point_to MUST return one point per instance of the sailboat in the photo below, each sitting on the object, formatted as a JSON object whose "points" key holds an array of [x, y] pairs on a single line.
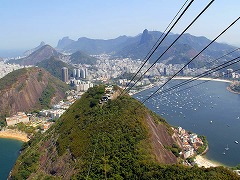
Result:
{"points": [[227, 148]]}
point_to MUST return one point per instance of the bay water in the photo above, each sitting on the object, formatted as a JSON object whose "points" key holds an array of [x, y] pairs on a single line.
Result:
{"points": [[208, 109], [9, 151]]}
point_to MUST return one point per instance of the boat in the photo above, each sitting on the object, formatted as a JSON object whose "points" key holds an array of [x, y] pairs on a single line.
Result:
{"points": [[236, 142], [227, 148], [210, 121], [223, 153]]}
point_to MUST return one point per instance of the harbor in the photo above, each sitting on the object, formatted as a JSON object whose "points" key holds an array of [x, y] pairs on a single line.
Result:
{"points": [[209, 109]]}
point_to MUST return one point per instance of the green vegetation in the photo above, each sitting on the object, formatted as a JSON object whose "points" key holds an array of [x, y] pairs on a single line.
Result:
{"points": [[202, 148], [47, 94], [40, 75], [54, 66], [24, 128], [10, 79], [175, 149], [29, 163], [93, 141], [237, 167], [20, 87]]}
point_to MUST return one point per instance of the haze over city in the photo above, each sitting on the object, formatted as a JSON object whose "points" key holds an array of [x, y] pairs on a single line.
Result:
{"points": [[26, 23]]}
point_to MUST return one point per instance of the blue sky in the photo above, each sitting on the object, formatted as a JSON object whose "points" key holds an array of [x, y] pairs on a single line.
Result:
{"points": [[25, 23]]}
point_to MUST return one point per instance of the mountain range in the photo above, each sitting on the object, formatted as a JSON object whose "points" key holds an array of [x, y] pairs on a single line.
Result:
{"points": [[46, 52], [137, 47]]}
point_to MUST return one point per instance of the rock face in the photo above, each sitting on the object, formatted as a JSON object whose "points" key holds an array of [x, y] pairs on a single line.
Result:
{"points": [[64, 42], [26, 89]]}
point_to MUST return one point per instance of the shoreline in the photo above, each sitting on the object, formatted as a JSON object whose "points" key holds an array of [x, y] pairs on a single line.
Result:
{"points": [[187, 78], [202, 79], [200, 160], [203, 161], [13, 134]]}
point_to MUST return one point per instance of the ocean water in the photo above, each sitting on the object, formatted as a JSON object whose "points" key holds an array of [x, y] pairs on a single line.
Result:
{"points": [[9, 151], [208, 109]]}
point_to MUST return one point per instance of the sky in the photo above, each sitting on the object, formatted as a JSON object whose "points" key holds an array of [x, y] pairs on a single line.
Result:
{"points": [[25, 23]]}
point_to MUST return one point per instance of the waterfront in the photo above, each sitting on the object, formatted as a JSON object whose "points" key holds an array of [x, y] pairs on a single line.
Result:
{"points": [[209, 109], [9, 151]]}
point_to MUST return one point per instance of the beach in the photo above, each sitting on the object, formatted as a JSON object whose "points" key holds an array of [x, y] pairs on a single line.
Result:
{"points": [[201, 161], [203, 79], [13, 134]]}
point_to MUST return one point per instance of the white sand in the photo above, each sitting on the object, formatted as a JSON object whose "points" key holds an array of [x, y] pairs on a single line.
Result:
{"points": [[204, 79], [202, 161], [13, 134]]}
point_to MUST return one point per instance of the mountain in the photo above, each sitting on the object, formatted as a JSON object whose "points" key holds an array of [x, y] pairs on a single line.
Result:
{"points": [[62, 43], [29, 89], [45, 52], [82, 58], [28, 52], [120, 139], [181, 52], [54, 65], [93, 46], [137, 47]]}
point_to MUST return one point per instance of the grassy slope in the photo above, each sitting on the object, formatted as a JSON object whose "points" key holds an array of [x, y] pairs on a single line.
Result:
{"points": [[109, 140]]}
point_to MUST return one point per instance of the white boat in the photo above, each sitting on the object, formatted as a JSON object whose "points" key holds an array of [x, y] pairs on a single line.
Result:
{"points": [[236, 142], [227, 148]]}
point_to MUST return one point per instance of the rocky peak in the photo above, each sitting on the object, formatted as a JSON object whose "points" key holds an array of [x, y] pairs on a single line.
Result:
{"points": [[146, 37]]}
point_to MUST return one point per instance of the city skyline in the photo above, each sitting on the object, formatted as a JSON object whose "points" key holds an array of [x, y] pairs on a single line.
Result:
{"points": [[27, 23]]}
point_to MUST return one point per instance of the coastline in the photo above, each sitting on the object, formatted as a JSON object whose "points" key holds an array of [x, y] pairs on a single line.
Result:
{"points": [[203, 79], [230, 90], [187, 78], [13, 134], [202, 161]]}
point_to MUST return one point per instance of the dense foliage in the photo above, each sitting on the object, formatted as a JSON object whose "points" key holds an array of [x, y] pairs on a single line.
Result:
{"points": [[105, 141], [203, 148], [54, 66], [46, 96]]}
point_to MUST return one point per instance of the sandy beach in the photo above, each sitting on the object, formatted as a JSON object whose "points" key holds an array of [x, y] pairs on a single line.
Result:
{"points": [[203, 79], [204, 162], [13, 134]]}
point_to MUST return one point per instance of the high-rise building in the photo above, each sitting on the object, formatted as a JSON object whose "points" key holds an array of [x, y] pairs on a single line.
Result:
{"points": [[78, 73], [65, 74], [229, 73], [74, 73], [83, 73], [165, 71], [86, 72]]}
